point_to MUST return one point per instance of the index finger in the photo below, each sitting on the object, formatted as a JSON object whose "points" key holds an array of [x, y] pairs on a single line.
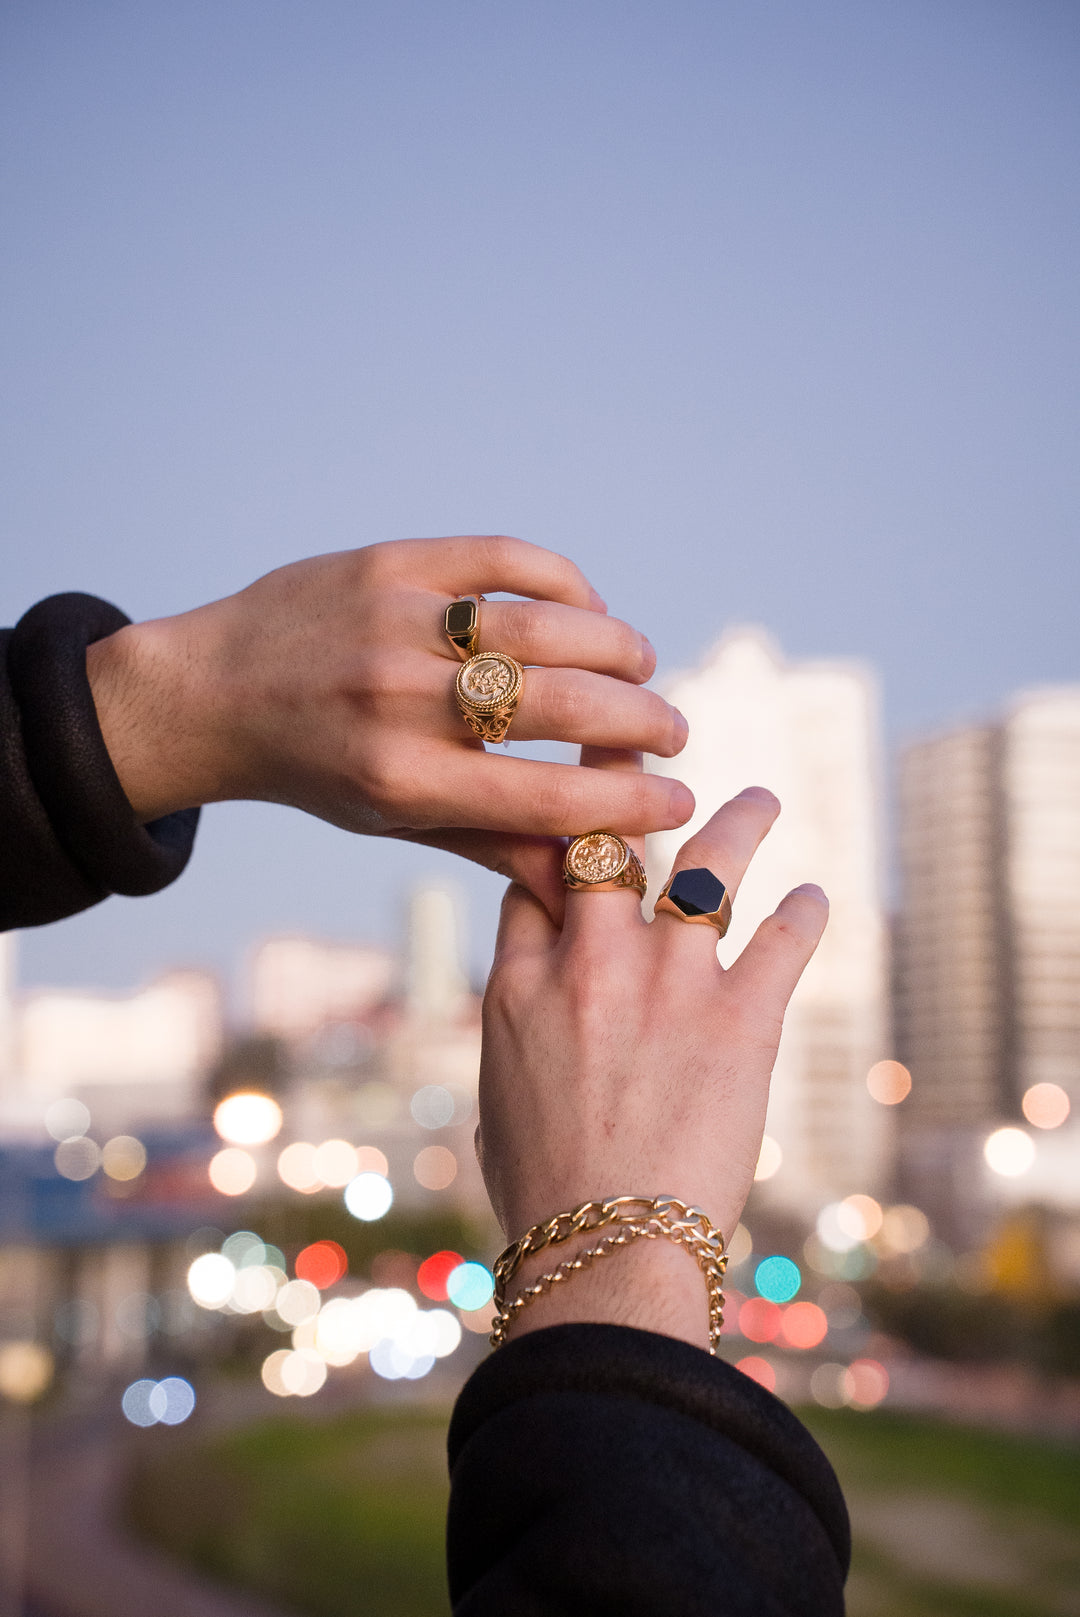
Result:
{"points": [[477, 564]]}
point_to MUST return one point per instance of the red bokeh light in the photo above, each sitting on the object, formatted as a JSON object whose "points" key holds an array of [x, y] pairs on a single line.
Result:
{"points": [[804, 1325], [759, 1320], [435, 1271], [759, 1370], [322, 1264]]}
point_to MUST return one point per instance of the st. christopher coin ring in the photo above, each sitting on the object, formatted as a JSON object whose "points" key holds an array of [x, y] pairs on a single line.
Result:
{"points": [[462, 625], [696, 896], [601, 862], [488, 688]]}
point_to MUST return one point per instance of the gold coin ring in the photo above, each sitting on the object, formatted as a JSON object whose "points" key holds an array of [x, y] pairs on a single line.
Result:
{"points": [[602, 862], [488, 688]]}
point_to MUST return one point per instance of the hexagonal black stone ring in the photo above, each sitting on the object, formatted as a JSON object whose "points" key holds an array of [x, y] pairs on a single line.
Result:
{"points": [[696, 896]]}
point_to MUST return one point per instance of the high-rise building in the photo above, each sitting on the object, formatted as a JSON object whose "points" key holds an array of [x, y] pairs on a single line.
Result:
{"points": [[809, 732], [988, 940]]}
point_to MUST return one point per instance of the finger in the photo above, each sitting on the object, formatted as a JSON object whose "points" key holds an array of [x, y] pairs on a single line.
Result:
{"points": [[490, 791], [569, 704], [725, 845], [588, 915], [476, 564], [778, 953], [525, 927], [557, 636], [533, 862]]}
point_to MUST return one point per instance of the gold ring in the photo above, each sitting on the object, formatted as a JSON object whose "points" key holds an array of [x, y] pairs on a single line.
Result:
{"points": [[462, 625], [488, 688], [601, 862], [696, 896]]}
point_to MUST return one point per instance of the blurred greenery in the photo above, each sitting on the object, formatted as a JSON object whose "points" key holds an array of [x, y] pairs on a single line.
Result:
{"points": [[950, 1521], [324, 1517], [945, 1322], [332, 1517]]}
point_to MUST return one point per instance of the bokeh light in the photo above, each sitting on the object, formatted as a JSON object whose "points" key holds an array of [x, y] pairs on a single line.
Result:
{"points": [[777, 1279], [271, 1373], [865, 1384], [210, 1280], [323, 1263], [769, 1158], [146, 1402], [335, 1163], [369, 1159], [77, 1159], [842, 1305], [479, 1320], [255, 1288], [904, 1228], [67, 1119], [435, 1167], [296, 1168], [434, 1272], [26, 1369], [303, 1372], [833, 1229], [232, 1171], [469, 1286], [432, 1106], [123, 1157], [297, 1301], [828, 1385], [1046, 1106], [804, 1325], [1008, 1152], [759, 1319], [248, 1118], [369, 1196], [859, 1216], [759, 1370], [889, 1082]]}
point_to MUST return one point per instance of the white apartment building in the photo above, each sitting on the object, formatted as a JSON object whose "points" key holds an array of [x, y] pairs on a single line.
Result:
{"points": [[809, 732]]}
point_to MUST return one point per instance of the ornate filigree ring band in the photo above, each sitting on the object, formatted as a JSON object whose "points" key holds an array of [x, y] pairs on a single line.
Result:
{"points": [[488, 689], [462, 625], [696, 896], [601, 862]]}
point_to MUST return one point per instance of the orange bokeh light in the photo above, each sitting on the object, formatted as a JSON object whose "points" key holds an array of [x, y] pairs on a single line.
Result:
{"points": [[1046, 1106], [759, 1320], [322, 1264], [759, 1370], [889, 1082], [804, 1325]]}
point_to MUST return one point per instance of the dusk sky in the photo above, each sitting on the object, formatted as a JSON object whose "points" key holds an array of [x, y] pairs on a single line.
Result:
{"points": [[763, 311]]}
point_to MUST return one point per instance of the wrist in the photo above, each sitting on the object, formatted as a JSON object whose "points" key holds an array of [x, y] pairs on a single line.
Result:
{"points": [[652, 1285], [155, 712]]}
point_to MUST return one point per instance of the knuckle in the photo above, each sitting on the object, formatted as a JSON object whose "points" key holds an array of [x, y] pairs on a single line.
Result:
{"points": [[524, 623]]}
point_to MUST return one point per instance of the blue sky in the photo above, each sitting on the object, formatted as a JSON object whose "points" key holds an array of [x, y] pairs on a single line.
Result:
{"points": [[763, 311]]}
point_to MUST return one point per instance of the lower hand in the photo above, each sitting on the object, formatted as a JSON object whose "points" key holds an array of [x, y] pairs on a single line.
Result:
{"points": [[619, 1058], [328, 685]]}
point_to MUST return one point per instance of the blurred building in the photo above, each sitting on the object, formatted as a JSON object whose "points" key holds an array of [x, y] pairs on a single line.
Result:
{"points": [[809, 732], [133, 1059], [299, 985], [988, 943]]}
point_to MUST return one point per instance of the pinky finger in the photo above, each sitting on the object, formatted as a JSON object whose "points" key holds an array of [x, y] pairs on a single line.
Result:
{"points": [[781, 948]]}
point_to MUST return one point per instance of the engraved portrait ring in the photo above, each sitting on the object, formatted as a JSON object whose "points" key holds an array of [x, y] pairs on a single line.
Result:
{"points": [[488, 689], [461, 624], [601, 862], [696, 896]]}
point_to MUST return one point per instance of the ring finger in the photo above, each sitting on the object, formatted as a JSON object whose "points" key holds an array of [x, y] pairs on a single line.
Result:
{"points": [[724, 846]]}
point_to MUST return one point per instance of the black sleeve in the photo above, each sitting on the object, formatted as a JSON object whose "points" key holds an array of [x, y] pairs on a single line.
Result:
{"points": [[68, 835], [601, 1470]]}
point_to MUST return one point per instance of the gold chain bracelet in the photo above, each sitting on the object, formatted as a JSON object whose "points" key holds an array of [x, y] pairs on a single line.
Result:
{"points": [[638, 1218]]}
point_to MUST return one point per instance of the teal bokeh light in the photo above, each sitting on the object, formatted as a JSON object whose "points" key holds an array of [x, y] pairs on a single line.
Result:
{"points": [[778, 1279], [469, 1286]]}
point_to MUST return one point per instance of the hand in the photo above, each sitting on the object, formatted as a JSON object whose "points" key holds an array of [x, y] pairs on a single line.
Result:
{"points": [[619, 1058], [328, 685]]}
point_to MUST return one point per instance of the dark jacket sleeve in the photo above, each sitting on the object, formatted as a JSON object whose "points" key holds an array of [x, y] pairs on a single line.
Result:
{"points": [[68, 835], [597, 1469]]}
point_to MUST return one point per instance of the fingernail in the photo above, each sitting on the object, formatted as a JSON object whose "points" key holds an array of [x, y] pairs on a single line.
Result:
{"points": [[597, 602], [682, 802], [812, 890], [760, 794]]}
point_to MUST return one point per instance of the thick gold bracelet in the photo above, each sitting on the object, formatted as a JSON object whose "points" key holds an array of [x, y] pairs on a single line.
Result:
{"points": [[638, 1218]]}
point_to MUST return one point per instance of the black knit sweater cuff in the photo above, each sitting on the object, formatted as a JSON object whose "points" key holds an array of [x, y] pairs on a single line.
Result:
{"points": [[67, 759]]}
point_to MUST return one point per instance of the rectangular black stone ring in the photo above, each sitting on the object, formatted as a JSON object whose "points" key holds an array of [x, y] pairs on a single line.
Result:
{"points": [[462, 625], [696, 896]]}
